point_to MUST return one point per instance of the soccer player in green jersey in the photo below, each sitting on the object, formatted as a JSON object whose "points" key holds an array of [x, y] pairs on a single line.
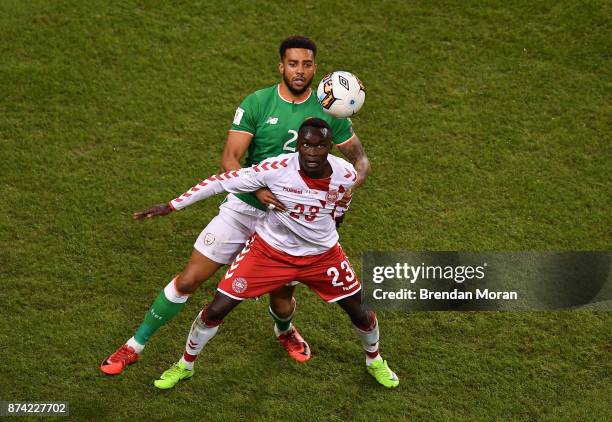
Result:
{"points": [[265, 124]]}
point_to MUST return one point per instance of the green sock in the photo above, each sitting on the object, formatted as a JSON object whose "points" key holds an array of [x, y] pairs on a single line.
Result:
{"points": [[281, 324], [161, 312]]}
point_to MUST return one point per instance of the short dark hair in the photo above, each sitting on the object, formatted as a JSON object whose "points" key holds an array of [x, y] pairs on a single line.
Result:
{"points": [[315, 122], [297, 41]]}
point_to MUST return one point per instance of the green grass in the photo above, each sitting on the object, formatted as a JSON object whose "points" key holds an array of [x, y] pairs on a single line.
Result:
{"points": [[488, 128]]}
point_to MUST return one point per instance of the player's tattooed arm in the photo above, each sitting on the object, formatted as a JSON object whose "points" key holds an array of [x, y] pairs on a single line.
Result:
{"points": [[354, 152]]}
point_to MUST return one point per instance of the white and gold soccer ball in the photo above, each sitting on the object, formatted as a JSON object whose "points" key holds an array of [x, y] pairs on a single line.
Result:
{"points": [[341, 94]]}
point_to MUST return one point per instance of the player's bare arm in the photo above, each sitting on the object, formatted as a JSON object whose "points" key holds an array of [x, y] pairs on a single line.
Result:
{"points": [[354, 152], [235, 147]]}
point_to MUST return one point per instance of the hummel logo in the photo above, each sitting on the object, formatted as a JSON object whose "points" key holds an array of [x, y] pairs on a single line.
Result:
{"points": [[272, 120]]}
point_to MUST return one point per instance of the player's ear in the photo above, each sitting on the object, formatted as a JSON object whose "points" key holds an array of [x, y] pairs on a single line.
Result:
{"points": [[281, 68]]}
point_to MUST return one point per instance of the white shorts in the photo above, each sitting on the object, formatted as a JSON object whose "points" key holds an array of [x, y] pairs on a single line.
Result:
{"points": [[225, 235]]}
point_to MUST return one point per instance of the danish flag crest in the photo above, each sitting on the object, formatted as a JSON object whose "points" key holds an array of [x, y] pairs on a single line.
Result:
{"points": [[239, 285], [332, 196]]}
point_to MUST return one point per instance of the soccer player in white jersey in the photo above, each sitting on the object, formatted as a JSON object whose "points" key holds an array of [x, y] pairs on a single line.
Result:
{"points": [[265, 125], [300, 243]]}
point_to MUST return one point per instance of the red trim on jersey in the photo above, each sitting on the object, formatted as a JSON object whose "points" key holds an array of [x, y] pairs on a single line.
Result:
{"points": [[318, 184]]}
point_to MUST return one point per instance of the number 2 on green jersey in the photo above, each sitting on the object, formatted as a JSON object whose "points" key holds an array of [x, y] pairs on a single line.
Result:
{"points": [[294, 136]]}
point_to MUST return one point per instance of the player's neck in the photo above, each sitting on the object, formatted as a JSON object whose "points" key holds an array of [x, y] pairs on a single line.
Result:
{"points": [[287, 95], [325, 172]]}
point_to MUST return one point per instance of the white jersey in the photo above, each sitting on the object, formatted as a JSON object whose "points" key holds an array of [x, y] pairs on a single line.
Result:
{"points": [[308, 226]]}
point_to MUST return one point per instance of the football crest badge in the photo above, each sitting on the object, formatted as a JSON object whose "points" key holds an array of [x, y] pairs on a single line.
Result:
{"points": [[209, 239], [332, 196], [239, 285]]}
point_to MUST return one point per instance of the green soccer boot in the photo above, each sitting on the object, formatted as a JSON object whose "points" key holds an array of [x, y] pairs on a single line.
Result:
{"points": [[172, 376], [379, 369]]}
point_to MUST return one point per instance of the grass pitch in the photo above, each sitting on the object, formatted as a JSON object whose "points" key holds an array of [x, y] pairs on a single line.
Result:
{"points": [[488, 128]]}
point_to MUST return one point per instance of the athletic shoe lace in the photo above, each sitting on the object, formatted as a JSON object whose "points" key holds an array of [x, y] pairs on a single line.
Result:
{"points": [[175, 370], [123, 354], [381, 369], [294, 342]]}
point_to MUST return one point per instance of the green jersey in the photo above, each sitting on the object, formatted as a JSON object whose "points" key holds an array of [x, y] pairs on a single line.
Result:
{"points": [[274, 123]]}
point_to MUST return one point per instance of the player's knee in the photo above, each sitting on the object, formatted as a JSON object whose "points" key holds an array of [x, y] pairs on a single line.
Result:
{"points": [[213, 315], [216, 312], [187, 283]]}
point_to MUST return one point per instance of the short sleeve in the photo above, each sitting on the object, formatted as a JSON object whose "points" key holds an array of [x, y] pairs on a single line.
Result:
{"points": [[342, 130], [245, 118]]}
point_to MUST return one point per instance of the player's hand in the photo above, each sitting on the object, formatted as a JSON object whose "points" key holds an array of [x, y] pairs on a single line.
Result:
{"points": [[346, 198], [339, 220], [154, 211], [267, 198]]}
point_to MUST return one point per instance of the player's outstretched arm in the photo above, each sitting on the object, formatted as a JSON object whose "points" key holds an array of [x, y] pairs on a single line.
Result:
{"points": [[154, 211]]}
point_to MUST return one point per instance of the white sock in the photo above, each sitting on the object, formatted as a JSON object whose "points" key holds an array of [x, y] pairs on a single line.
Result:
{"points": [[188, 365], [369, 341], [199, 335], [369, 360], [138, 348], [173, 295]]}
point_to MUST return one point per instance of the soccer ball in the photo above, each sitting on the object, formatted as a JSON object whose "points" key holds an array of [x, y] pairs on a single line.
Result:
{"points": [[341, 94]]}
